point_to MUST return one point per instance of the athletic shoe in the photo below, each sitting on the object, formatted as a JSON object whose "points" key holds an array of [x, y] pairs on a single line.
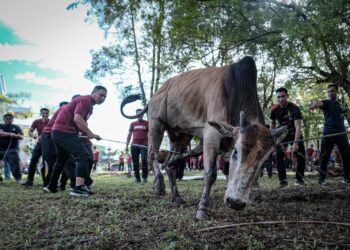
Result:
{"points": [[346, 181], [299, 183], [27, 184], [80, 191], [283, 184], [137, 180], [48, 189], [144, 180], [322, 181]]}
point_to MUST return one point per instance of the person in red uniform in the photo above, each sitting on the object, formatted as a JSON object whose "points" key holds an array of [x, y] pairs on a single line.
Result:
{"points": [[69, 122], [95, 158], [38, 125], [139, 132], [121, 162]]}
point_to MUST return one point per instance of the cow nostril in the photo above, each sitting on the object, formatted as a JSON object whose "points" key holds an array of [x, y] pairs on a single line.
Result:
{"points": [[235, 204]]}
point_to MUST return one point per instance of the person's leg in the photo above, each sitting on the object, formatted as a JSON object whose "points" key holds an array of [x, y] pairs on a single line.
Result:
{"points": [[135, 153], [12, 158], [69, 170], [36, 154], [180, 169], [88, 179], [49, 155], [326, 149], [281, 168], [143, 152], [344, 148], [299, 175], [7, 170]]}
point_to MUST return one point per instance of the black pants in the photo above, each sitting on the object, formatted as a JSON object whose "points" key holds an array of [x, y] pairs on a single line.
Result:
{"points": [[135, 154], [36, 154], [180, 169], [281, 167], [12, 158], [69, 144], [327, 145], [49, 154]]}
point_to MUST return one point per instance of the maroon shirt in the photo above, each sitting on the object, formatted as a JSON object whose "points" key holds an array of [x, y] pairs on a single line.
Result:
{"points": [[82, 105], [38, 125], [49, 126], [139, 131]]}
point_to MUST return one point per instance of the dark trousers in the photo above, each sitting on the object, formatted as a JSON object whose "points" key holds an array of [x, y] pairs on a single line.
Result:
{"points": [[327, 145], [300, 154], [135, 154], [36, 154], [121, 166], [12, 158], [69, 144], [180, 169], [49, 154]]}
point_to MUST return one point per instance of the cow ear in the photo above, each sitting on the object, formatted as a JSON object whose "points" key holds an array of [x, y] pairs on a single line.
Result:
{"points": [[226, 130], [243, 122]]}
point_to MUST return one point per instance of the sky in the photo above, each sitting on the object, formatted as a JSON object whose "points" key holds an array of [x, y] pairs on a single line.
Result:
{"points": [[45, 51]]}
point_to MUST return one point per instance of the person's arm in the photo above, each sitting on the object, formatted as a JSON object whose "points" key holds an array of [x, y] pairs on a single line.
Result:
{"points": [[128, 141], [318, 104], [83, 127], [31, 130], [297, 125], [273, 124], [8, 134]]}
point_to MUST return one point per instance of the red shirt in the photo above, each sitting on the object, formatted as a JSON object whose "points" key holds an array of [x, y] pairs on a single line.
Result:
{"points": [[82, 105], [49, 126], [139, 131], [129, 159], [310, 152], [95, 155], [121, 159], [38, 125]]}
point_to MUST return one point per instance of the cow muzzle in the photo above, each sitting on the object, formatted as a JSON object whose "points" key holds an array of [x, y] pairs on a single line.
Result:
{"points": [[235, 203]]}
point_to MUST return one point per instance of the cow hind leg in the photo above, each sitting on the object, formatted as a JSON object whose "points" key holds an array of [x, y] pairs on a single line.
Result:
{"points": [[156, 134], [171, 171]]}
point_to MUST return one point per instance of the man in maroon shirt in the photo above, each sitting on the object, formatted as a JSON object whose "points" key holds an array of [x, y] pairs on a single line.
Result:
{"points": [[38, 125], [69, 122], [139, 132]]}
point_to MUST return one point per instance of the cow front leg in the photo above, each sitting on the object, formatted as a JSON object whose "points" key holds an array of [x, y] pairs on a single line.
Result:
{"points": [[159, 185], [171, 171], [209, 179]]}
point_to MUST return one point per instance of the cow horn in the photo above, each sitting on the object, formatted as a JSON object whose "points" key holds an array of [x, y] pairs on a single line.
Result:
{"points": [[278, 132], [243, 122]]}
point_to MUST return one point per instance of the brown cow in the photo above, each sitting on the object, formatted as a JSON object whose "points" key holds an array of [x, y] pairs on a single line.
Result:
{"points": [[208, 103]]}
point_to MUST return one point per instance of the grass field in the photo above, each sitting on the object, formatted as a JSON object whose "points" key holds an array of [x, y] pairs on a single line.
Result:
{"points": [[127, 215]]}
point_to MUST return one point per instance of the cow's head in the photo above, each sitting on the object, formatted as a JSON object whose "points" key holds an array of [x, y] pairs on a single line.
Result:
{"points": [[253, 143]]}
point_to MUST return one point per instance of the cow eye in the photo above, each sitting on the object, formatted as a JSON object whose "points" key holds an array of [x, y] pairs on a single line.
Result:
{"points": [[234, 154]]}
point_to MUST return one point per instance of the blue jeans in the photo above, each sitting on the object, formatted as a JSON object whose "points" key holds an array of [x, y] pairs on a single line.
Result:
{"points": [[135, 154], [7, 170]]}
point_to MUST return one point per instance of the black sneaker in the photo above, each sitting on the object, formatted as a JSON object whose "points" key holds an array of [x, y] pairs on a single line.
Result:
{"points": [[80, 191], [322, 181], [27, 184], [138, 180], [283, 184], [48, 189]]}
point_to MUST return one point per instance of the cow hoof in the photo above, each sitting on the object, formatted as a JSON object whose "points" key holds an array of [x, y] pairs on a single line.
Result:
{"points": [[178, 200], [201, 215]]}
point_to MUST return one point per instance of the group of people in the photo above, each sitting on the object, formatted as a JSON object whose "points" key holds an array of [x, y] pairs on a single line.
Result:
{"points": [[289, 114], [64, 141]]}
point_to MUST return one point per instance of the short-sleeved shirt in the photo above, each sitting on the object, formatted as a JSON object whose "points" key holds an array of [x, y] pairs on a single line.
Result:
{"points": [[82, 105], [139, 131], [309, 152], [48, 127], [286, 116], [333, 117], [38, 125], [95, 155], [121, 159], [5, 141]]}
